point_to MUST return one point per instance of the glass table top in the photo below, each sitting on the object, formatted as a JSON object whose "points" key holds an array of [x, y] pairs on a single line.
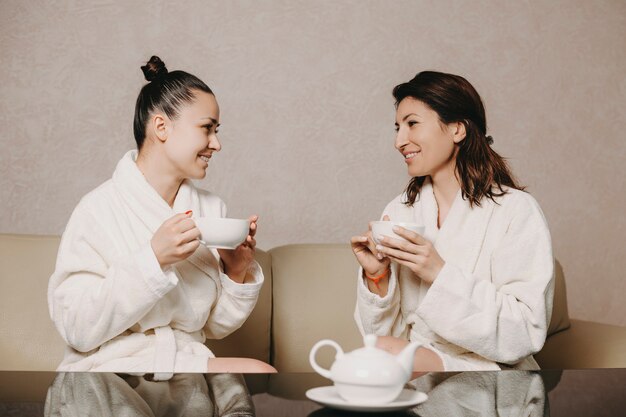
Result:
{"points": [[590, 392]]}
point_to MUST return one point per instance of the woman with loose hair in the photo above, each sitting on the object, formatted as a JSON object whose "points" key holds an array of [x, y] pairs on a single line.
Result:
{"points": [[476, 289], [134, 291]]}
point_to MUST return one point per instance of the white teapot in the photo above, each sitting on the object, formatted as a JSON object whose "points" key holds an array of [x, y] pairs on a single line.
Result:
{"points": [[368, 375]]}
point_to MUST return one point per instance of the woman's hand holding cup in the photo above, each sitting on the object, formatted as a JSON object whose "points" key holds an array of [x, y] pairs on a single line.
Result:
{"points": [[415, 252], [237, 261], [175, 240], [374, 263]]}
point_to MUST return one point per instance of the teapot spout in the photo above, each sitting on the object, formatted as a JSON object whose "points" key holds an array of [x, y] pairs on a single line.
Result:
{"points": [[407, 357]]}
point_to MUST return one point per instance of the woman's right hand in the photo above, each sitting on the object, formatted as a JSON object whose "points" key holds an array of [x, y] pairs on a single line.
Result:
{"points": [[176, 239], [366, 254]]}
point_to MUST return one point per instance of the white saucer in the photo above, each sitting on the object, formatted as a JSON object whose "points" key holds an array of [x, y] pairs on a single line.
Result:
{"points": [[329, 397]]}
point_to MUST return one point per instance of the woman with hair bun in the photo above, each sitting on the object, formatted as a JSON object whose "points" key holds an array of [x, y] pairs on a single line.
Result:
{"points": [[133, 290], [476, 288]]}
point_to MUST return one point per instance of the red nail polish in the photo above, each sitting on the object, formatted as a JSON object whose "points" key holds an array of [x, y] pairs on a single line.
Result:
{"points": [[189, 212]]}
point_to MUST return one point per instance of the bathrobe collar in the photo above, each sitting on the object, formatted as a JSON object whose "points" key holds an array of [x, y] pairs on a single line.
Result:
{"points": [[150, 208], [463, 231], [144, 200]]}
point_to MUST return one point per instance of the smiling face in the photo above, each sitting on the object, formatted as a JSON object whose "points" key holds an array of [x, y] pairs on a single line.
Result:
{"points": [[427, 144], [191, 139]]}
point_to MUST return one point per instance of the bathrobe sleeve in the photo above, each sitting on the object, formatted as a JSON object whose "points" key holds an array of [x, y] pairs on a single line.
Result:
{"points": [[505, 318], [235, 301], [94, 293], [234, 304], [380, 315]]}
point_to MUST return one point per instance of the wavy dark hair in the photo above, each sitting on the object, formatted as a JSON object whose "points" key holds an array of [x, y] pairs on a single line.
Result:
{"points": [[481, 171], [166, 92]]}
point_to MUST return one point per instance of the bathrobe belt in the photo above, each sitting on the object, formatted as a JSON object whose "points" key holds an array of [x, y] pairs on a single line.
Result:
{"points": [[164, 353]]}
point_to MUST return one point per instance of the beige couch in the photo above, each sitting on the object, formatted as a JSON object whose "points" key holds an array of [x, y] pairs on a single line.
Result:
{"points": [[309, 295]]}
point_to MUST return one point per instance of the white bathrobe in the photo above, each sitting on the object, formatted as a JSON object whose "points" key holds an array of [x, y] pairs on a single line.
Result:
{"points": [[115, 307], [490, 305]]}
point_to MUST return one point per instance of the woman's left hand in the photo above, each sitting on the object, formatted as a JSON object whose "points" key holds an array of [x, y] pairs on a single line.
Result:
{"points": [[418, 254], [238, 260]]}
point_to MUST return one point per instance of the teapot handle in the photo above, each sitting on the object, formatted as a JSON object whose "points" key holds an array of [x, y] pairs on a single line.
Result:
{"points": [[323, 372]]}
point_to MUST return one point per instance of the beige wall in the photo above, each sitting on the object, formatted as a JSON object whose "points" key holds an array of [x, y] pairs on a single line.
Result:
{"points": [[307, 114]]}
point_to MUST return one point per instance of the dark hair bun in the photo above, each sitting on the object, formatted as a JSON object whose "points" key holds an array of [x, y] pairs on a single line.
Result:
{"points": [[155, 68]]}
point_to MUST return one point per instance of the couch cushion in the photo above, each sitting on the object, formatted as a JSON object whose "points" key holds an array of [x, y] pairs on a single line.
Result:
{"points": [[560, 318], [585, 345], [314, 298], [28, 261], [28, 339]]}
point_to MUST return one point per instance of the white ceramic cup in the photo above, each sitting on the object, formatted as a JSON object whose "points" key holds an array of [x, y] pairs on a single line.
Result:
{"points": [[222, 233], [385, 228]]}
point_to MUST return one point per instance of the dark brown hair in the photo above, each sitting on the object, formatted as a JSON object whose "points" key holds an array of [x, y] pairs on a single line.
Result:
{"points": [[481, 171], [166, 92]]}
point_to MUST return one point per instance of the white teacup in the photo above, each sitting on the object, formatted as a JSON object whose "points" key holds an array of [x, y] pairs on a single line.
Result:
{"points": [[222, 233], [385, 228]]}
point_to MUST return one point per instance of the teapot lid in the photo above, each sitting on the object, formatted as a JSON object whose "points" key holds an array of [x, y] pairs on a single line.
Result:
{"points": [[370, 349]]}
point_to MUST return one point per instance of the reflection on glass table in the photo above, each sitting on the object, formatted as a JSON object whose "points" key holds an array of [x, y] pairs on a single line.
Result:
{"points": [[597, 392], [107, 394], [484, 393], [511, 393]]}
